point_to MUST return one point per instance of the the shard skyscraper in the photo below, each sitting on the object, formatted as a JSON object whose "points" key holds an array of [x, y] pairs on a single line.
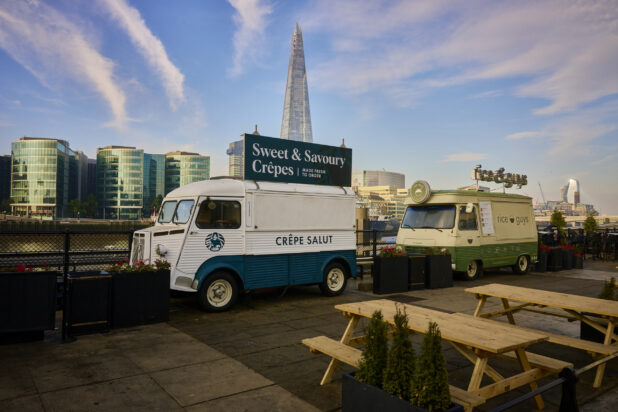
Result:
{"points": [[296, 123]]}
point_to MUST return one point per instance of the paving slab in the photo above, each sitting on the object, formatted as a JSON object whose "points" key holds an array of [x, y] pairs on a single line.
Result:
{"points": [[137, 393], [208, 380], [271, 398], [22, 404]]}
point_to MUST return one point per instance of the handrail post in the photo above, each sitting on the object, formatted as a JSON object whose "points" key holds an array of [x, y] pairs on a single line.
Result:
{"points": [[375, 246], [65, 284]]}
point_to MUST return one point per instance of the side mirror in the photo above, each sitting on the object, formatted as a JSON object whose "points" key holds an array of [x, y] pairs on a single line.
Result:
{"points": [[469, 208]]}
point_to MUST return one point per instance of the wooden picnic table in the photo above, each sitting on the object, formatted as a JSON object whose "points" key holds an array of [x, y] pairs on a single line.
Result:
{"points": [[476, 339], [577, 307]]}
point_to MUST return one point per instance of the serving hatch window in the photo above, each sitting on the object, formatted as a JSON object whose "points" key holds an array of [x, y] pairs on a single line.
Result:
{"points": [[167, 211], [218, 214], [467, 221], [429, 217]]}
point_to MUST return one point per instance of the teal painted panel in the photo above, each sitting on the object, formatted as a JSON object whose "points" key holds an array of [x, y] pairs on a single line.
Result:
{"points": [[305, 268], [266, 271]]}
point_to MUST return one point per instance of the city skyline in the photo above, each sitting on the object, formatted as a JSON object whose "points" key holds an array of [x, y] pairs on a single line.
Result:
{"points": [[427, 89]]}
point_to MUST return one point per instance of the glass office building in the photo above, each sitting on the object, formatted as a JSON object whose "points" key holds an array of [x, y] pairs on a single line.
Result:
{"points": [[154, 179], [296, 122], [120, 182], [182, 168], [45, 175]]}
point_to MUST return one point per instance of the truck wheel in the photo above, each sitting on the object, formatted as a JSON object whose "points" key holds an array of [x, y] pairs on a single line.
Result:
{"points": [[473, 270], [522, 266], [335, 279], [218, 292]]}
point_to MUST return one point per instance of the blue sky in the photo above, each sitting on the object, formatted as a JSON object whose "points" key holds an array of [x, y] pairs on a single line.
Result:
{"points": [[425, 88]]}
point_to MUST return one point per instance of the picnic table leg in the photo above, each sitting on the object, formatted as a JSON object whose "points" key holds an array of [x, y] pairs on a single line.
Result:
{"points": [[477, 373], [479, 307], [334, 363], [505, 303], [525, 365], [598, 379], [469, 354]]}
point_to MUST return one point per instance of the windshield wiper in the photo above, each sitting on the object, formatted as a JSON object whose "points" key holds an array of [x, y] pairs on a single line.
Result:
{"points": [[407, 227], [430, 227]]}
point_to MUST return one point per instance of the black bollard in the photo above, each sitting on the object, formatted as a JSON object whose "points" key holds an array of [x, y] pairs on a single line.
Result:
{"points": [[568, 401]]}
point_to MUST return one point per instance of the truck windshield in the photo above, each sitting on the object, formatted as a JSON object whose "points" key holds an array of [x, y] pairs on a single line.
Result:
{"points": [[429, 217], [183, 211], [167, 211]]}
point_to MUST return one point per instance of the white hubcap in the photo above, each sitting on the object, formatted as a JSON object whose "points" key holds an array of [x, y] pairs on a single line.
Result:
{"points": [[523, 263], [219, 293], [335, 279], [472, 268]]}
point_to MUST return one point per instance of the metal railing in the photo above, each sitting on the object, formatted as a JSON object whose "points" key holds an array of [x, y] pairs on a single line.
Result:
{"points": [[64, 251]]}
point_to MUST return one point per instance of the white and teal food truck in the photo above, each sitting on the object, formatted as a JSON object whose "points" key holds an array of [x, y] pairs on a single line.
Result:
{"points": [[225, 236]]}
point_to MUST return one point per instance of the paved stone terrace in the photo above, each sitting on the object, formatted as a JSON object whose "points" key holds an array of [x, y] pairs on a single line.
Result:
{"points": [[251, 358]]}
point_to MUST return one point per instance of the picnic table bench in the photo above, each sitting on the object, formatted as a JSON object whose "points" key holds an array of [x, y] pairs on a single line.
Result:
{"points": [[474, 338], [577, 307]]}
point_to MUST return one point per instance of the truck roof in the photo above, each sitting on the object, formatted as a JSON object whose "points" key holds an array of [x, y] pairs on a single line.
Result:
{"points": [[235, 187], [452, 196], [478, 194]]}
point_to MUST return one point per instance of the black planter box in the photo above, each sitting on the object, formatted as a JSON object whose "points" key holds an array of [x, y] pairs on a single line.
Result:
{"points": [[140, 297], [88, 306], [358, 396], [578, 262], [554, 259], [541, 264], [416, 272], [27, 302], [567, 259], [439, 271], [587, 332], [390, 275]]}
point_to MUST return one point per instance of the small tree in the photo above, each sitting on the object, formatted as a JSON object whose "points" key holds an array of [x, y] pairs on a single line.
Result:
{"points": [[155, 204], [373, 361], [400, 362], [429, 387], [5, 206], [90, 206], [557, 219], [590, 225], [75, 206]]}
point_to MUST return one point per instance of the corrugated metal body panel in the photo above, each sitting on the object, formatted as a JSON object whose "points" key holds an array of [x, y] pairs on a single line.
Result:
{"points": [[306, 268], [195, 251], [266, 271], [259, 242]]}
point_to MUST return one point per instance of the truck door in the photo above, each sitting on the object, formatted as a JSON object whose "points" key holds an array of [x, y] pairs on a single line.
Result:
{"points": [[216, 230], [468, 241]]}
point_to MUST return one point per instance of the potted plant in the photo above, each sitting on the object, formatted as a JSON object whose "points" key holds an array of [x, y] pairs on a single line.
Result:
{"points": [[140, 293], [87, 303], [439, 272], [567, 256], [541, 264], [578, 257], [27, 301], [390, 271], [390, 379], [587, 332]]}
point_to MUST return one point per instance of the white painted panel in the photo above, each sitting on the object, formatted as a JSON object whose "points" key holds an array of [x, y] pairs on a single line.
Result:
{"points": [[265, 243]]}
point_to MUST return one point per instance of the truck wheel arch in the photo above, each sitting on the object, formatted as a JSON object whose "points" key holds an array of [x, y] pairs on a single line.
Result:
{"points": [[341, 260], [203, 273]]}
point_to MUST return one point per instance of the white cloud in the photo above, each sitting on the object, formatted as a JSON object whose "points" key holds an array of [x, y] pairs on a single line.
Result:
{"points": [[464, 157], [523, 135], [251, 23], [569, 62], [149, 46], [603, 160], [51, 46]]}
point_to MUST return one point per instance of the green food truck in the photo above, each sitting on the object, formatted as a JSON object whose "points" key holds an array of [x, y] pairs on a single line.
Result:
{"points": [[480, 230]]}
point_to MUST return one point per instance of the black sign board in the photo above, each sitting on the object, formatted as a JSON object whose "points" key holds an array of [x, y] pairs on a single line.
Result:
{"points": [[282, 160]]}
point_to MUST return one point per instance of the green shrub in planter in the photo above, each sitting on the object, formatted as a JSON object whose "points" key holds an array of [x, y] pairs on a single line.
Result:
{"points": [[400, 361], [430, 389], [373, 361]]}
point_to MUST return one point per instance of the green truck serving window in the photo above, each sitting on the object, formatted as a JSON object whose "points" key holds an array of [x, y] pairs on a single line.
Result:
{"points": [[429, 217]]}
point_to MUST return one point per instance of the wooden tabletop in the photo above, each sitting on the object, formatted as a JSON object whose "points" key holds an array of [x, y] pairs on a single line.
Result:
{"points": [[495, 338], [555, 299]]}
